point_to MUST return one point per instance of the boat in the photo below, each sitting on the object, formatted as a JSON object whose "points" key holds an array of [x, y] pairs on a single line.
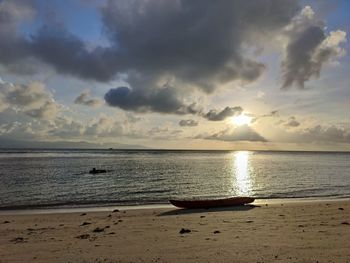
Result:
{"points": [[210, 203], [97, 171]]}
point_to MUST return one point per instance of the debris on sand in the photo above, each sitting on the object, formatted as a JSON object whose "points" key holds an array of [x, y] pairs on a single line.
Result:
{"points": [[98, 229], [217, 232], [184, 231], [85, 223], [83, 236], [18, 240]]}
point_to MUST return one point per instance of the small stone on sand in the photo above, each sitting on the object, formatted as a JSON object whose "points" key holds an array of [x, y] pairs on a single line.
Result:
{"points": [[98, 229], [83, 236], [184, 231], [17, 240]]}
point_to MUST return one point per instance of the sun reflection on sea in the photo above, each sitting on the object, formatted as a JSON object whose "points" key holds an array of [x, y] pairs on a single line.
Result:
{"points": [[242, 173]]}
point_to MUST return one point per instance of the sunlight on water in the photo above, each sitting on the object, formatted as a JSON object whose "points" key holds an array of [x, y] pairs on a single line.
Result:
{"points": [[241, 172], [52, 178]]}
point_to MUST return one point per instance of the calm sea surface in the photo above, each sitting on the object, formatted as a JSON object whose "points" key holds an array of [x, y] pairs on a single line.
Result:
{"points": [[60, 178]]}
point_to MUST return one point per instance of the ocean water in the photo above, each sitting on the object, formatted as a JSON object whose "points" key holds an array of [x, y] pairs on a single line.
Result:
{"points": [[60, 178]]}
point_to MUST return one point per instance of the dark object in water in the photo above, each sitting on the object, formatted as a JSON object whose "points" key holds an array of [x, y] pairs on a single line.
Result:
{"points": [[209, 203], [97, 171]]}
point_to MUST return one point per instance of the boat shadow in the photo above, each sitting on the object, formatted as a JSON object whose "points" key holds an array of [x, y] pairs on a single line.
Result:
{"points": [[186, 211]]}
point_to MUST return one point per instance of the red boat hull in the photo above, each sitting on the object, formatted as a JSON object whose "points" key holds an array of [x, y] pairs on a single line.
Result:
{"points": [[233, 201]]}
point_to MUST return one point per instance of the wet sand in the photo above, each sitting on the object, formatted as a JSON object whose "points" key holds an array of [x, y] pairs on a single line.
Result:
{"points": [[269, 231]]}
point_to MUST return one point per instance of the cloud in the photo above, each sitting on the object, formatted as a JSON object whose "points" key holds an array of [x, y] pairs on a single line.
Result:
{"points": [[32, 99], [214, 115], [291, 122], [13, 47], [102, 127], [69, 55], [241, 133], [105, 126], [164, 132], [195, 51], [47, 111], [165, 100], [308, 48], [207, 47], [83, 99], [32, 130], [210, 45], [330, 133], [188, 123], [273, 113]]}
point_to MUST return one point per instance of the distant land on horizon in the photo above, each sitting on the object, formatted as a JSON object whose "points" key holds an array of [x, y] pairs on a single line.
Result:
{"points": [[16, 144], [82, 145]]}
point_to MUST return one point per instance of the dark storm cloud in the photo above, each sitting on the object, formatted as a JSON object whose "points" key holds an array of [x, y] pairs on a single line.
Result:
{"points": [[188, 123], [69, 55], [308, 49], [163, 100], [241, 133], [192, 44], [13, 47], [214, 115], [198, 42]]}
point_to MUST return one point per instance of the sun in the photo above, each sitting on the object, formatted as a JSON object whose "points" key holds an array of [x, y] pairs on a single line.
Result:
{"points": [[241, 120]]}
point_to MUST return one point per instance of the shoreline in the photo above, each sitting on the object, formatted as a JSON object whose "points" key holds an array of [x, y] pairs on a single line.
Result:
{"points": [[109, 208]]}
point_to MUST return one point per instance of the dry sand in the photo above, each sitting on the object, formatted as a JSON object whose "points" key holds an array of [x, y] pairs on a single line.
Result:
{"points": [[317, 231]]}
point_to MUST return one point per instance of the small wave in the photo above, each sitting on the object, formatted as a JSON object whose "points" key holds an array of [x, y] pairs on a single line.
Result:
{"points": [[151, 191], [289, 196]]}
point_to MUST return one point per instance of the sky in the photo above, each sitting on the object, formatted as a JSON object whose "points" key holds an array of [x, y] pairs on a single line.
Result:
{"points": [[199, 74]]}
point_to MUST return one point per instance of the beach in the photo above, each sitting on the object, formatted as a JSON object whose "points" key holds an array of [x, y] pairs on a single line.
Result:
{"points": [[266, 231]]}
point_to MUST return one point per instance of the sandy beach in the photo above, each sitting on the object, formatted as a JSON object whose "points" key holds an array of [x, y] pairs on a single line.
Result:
{"points": [[268, 231]]}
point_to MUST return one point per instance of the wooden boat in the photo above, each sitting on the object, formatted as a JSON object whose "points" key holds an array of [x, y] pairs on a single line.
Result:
{"points": [[209, 203]]}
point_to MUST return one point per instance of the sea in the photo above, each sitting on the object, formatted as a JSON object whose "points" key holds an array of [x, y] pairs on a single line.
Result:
{"points": [[46, 178]]}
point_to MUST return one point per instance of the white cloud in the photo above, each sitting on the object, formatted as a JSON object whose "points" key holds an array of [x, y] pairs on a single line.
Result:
{"points": [[32, 99]]}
